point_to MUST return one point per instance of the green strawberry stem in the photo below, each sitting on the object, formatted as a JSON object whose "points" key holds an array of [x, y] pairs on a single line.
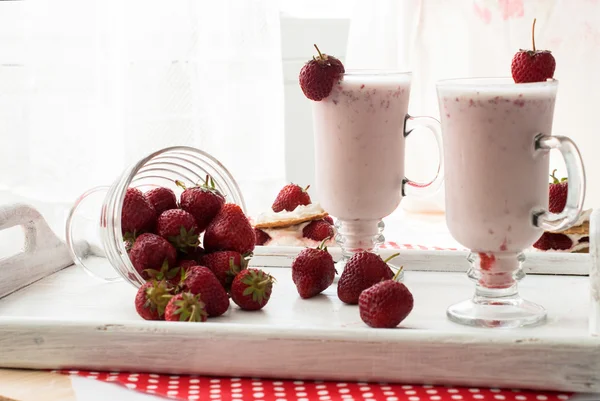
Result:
{"points": [[158, 296], [533, 35], [555, 179], [395, 278], [391, 257], [320, 54], [164, 272], [322, 245], [306, 189], [180, 184], [263, 283]]}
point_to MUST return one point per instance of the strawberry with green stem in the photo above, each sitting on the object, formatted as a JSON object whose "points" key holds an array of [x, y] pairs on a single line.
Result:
{"points": [[251, 289], [290, 197], [202, 201], [385, 304], [179, 228], [225, 265], [533, 65], [186, 307], [200, 280], [313, 270], [318, 75], [152, 298], [558, 191], [151, 252], [362, 270]]}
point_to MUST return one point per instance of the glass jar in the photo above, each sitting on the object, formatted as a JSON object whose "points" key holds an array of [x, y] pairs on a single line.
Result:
{"points": [[93, 230]]}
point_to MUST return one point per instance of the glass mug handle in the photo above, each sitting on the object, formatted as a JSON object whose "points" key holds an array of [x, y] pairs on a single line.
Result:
{"points": [[412, 188], [576, 184]]}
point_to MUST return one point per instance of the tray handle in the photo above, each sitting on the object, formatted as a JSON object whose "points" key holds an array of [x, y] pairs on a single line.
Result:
{"points": [[43, 252]]}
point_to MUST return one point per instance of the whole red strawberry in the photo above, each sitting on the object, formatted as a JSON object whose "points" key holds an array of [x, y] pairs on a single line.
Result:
{"points": [[318, 76], [533, 65], [290, 197], [151, 252], [199, 280], [313, 271], [261, 236], [363, 270], [203, 202], [558, 194], [251, 289], [186, 307], [179, 228], [151, 300], [137, 215], [230, 230], [225, 265], [555, 241], [162, 199], [318, 230], [385, 304]]}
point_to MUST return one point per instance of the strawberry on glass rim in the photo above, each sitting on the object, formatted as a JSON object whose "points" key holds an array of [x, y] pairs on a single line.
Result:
{"points": [[318, 75], [533, 65]]}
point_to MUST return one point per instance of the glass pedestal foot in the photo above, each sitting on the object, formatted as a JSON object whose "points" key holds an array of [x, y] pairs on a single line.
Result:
{"points": [[496, 302], [510, 312], [357, 236]]}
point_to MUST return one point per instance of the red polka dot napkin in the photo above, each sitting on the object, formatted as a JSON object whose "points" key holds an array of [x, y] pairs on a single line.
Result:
{"points": [[240, 389]]}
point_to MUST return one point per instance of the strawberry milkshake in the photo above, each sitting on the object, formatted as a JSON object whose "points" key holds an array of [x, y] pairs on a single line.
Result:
{"points": [[359, 146], [495, 177], [360, 124], [496, 149], [359, 134]]}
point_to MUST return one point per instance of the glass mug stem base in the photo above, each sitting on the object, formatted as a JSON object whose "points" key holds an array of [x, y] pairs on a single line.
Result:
{"points": [[357, 236], [496, 302]]}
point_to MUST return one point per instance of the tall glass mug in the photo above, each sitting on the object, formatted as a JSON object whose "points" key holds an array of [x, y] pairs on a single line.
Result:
{"points": [[497, 139], [360, 131]]}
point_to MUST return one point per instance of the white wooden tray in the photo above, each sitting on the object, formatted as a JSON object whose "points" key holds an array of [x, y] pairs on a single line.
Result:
{"points": [[70, 320]]}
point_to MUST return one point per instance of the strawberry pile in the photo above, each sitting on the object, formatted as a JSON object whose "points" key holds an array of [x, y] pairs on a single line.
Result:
{"points": [[186, 281], [367, 280]]}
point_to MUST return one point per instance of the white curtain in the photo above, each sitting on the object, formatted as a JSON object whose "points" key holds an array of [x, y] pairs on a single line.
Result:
{"points": [[438, 39], [89, 86]]}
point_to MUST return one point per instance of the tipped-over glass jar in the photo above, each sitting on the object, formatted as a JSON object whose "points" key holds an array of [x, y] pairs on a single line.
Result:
{"points": [[93, 230]]}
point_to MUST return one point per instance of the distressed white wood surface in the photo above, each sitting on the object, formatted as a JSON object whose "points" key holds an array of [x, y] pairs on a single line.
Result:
{"points": [[70, 320], [43, 252], [442, 260]]}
